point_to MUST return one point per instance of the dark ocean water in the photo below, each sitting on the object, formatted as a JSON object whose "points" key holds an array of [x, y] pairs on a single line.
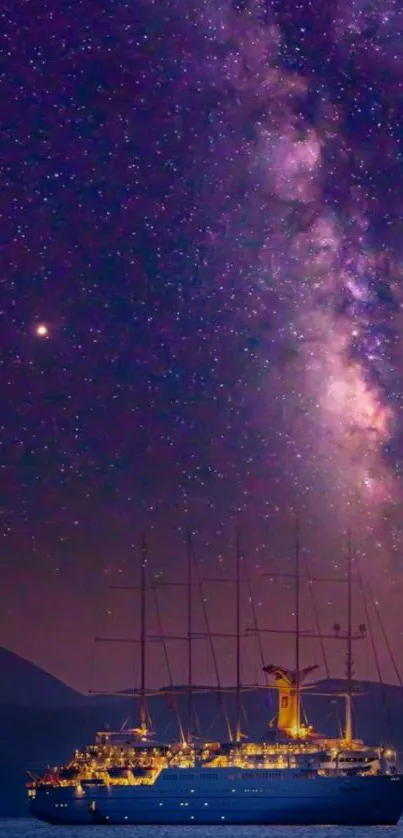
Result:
{"points": [[33, 829]]}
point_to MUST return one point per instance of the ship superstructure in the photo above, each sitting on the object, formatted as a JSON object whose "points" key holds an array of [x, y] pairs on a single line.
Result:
{"points": [[293, 775]]}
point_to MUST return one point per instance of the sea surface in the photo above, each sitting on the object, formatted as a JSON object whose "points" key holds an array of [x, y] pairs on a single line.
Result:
{"points": [[34, 829]]}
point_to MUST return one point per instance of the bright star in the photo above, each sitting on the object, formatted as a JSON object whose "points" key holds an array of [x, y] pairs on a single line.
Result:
{"points": [[42, 330]]}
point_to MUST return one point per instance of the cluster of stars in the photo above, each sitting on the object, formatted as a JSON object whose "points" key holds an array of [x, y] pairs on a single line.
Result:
{"points": [[203, 276]]}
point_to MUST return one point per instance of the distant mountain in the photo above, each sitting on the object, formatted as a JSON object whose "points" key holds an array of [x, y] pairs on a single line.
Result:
{"points": [[22, 684], [43, 721]]}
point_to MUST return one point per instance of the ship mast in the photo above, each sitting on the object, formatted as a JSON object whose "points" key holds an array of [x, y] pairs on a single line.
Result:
{"points": [[189, 639], [348, 735], [238, 638], [297, 632], [143, 702]]}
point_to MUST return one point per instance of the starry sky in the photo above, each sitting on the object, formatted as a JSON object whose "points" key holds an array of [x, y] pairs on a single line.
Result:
{"points": [[202, 314]]}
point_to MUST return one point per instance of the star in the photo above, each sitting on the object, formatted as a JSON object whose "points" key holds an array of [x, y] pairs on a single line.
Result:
{"points": [[42, 330]]}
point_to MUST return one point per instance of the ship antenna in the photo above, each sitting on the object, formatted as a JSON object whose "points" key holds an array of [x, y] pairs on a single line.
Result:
{"points": [[189, 638], [349, 657], [297, 628], [238, 638], [143, 702]]}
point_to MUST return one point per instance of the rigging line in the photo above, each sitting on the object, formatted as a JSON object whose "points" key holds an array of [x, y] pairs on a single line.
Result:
{"points": [[189, 640], [316, 616], [143, 640], [297, 613], [272, 720], [212, 723], [238, 733], [245, 714], [338, 720], [91, 669], [374, 650], [211, 641], [103, 610], [325, 719], [384, 635], [348, 730], [297, 626], [197, 720], [166, 655], [256, 626]]}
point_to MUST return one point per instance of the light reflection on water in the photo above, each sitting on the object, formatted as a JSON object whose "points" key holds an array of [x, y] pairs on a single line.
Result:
{"points": [[34, 829]]}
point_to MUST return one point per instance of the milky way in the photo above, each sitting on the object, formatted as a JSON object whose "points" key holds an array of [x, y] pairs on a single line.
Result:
{"points": [[313, 149], [203, 205]]}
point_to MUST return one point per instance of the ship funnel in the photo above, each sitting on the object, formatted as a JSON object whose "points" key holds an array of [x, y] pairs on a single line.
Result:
{"points": [[289, 698]]}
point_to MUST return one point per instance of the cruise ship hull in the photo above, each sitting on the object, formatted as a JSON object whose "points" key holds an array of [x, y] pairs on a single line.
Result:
{"points": [[228, 796]]}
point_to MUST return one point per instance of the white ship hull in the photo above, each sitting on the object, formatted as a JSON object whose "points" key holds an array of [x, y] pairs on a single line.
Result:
{"points": [[228, 796]]}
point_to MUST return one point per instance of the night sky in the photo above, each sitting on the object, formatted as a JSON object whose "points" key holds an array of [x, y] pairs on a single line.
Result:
{"points": [[202, 315]]}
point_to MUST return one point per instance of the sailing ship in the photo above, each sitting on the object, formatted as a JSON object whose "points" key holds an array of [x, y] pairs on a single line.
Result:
{"points": [[293, 775]]}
